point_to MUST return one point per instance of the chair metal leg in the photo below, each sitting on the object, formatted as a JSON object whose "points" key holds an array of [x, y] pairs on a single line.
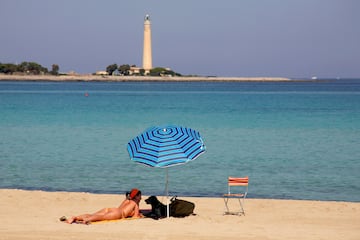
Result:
{"points": [[227, 210], [242, 207]]}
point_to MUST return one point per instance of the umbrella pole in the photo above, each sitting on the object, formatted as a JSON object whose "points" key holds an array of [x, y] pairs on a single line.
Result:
{"points": [[167, 193]]}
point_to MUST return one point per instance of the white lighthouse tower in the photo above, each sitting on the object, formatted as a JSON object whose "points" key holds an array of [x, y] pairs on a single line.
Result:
{"points": [[147, 54]]}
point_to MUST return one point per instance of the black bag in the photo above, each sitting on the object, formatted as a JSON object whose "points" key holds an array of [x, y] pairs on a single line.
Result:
{"points": [[181, 208]]}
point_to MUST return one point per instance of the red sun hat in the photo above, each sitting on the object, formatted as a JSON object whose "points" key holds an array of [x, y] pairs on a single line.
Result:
{"points": [[133, 193]]}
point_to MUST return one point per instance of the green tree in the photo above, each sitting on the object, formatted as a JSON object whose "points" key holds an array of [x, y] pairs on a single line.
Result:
{"points": [[156, 71], [55, 69], [32, 68], [171, 73], [111, 68], [159, 71], [8, 68], [124, 69], [142, 72]]}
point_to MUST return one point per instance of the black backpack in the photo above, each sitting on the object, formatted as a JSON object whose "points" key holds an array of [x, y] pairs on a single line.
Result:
{"points": [[181, 208]]}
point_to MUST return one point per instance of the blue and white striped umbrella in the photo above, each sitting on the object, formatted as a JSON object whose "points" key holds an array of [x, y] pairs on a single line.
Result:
{"points": [[165, 146]]}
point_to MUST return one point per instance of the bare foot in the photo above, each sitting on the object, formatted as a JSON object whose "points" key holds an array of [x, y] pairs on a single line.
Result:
{"points": [[86, 221], [71, 220]]}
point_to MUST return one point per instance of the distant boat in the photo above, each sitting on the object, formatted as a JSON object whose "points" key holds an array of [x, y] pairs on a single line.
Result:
{"points": [[314, 78]]}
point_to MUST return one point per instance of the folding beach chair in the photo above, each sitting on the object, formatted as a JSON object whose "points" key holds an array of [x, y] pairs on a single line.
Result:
{"points": [[237, 189]]}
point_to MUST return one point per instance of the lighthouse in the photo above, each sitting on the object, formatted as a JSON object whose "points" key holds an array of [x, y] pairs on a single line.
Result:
{"points": [[147, 54]]}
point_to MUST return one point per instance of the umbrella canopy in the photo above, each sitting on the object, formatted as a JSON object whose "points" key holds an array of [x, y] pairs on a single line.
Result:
{"points": [[166, 146]]}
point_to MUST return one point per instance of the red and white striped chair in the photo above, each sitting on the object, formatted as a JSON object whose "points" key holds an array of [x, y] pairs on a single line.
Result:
{"points": [[237, 189]]}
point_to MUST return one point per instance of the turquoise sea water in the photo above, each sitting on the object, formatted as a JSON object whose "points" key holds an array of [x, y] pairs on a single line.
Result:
{"points": [[297, 140]]}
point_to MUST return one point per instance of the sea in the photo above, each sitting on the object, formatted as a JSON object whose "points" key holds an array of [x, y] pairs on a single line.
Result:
{"points": [[295, 140]]}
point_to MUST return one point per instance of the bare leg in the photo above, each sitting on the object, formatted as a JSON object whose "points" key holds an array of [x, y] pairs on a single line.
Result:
{"points": [[71, 220], [129, 210], [112, 215], [87, 215], [103, 211], [78, 218]]}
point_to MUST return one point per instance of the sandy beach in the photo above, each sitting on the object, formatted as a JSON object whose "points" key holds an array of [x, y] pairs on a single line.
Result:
{"points": [[95, 78], [35, 215]]}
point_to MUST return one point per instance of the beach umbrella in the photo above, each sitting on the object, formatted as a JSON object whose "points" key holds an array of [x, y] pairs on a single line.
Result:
{"points": [[166, 146]]}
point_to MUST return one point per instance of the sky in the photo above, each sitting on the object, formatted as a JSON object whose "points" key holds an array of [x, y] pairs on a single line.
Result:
{"points": [[240, 38]]}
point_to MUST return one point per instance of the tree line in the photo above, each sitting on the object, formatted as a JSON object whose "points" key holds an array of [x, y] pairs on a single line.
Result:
{"points": [[33, 68], [125, 70], [29, 68]]}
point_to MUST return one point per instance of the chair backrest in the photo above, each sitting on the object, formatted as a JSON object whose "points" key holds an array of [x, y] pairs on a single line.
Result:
{"points": [[238, 182]]}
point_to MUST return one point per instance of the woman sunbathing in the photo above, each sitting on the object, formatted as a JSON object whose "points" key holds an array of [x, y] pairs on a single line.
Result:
{"points": [[128, 208]]}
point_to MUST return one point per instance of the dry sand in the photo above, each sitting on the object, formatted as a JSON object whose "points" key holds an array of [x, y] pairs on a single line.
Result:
{"points": [[35, 215]]}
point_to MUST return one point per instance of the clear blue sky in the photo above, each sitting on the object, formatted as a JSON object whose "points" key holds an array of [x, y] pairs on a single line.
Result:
{"points": [[286, 38]]}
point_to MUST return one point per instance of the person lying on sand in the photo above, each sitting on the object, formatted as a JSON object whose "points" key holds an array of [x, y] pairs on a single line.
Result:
{"points": [[128, 208]]}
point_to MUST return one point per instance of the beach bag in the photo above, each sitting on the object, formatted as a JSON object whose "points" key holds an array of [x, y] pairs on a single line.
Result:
{"points": [[181, 208]]}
